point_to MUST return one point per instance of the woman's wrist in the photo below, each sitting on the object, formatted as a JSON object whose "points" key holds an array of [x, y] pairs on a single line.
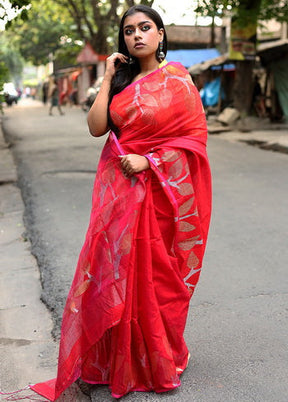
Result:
{"points": [[107, 77]]}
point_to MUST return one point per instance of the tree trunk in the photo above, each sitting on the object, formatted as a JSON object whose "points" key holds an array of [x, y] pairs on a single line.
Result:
{"points": [[212, 34], [243, 86]]}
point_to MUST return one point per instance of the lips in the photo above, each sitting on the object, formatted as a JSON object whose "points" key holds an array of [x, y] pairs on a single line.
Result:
{"points": [[139, 45]]}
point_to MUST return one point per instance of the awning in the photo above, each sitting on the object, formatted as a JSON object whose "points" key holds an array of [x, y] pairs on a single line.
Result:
{"points": [[188, 57], [273, 50], [215, 62], [263, 47]]}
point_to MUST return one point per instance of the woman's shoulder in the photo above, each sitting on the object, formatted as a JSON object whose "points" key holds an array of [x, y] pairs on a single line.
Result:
{"points": [[176, 66]]}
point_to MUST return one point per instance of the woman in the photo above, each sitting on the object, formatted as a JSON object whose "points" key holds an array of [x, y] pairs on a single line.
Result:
{"points": [[125, 315]]}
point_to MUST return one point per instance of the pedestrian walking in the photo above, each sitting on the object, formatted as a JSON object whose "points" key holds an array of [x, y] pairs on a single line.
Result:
{"points": [[45, 90], [54, 97], [126, 311]]}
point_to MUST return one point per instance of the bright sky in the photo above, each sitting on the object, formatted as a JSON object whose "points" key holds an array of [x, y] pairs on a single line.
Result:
{"points": [[5, 4], [178, 12]]}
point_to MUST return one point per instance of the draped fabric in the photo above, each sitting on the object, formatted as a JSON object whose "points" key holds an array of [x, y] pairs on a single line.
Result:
{"points": [[126, 310]]}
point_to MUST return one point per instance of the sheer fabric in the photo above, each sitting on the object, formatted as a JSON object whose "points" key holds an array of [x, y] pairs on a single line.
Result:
{"points": [[126, 310]]}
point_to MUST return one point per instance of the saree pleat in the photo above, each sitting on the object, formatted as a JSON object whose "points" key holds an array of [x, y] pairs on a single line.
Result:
{"points": [[126, 311]]}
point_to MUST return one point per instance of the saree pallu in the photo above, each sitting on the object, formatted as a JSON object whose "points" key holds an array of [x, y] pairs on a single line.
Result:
{"points": [[126, 311]]}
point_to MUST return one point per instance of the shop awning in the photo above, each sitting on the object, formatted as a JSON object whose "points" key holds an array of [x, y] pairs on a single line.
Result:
{"points": [[270, 51], [188, 57], [222, 60]]}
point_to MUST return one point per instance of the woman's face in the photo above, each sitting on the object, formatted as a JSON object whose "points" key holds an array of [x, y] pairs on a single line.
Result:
{"points": [[141, 35]]}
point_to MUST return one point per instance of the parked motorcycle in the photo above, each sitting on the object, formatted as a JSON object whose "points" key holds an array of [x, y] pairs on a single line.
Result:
{"points": [[91, 94]]}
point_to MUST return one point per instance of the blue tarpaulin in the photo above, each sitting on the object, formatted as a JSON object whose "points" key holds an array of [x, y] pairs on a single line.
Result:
{"points": [[210, 92], [188, 57]]}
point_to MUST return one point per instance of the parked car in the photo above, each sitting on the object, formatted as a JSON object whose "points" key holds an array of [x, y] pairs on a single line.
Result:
{"points": [[10, 94]]}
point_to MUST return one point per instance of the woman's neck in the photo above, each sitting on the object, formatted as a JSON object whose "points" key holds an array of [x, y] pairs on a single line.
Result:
{"points": [[148, 66]]}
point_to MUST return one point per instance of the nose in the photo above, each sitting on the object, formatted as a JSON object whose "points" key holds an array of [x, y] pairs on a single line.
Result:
{"points": [[137, 33]]}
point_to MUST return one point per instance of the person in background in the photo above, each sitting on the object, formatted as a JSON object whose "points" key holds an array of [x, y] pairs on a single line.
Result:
{"points": [[45, 90], [54, 97], [258, 100]]}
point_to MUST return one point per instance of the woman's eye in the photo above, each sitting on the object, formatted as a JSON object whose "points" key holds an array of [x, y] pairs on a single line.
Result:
{"points": [[128, 31], [145, 28]]}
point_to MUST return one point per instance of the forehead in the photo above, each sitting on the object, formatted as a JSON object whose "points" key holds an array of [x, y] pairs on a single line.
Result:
{"points": [[137, 18]]}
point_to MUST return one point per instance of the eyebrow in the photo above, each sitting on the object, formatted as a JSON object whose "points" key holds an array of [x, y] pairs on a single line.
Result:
{"points": [[140, 23]]}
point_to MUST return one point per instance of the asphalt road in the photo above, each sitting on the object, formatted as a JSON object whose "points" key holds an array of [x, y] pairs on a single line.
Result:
{"points": [[237, 326]]}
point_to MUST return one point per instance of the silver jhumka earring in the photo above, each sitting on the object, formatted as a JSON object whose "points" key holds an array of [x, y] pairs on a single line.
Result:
{"points": [[161, 54]]}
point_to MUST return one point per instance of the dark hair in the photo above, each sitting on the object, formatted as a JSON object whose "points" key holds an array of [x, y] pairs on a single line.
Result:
{"points": [[127, 71]]}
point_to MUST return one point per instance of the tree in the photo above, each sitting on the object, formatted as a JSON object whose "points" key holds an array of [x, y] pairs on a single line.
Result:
{"points": [[4, 76], [43, 33], [247, 16], [59, 27], [213, 9], [90, 21], [12, 59], [17, 8], [11, 65], [97, 22]]}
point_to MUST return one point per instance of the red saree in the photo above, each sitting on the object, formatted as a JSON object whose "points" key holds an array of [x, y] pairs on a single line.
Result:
{"points": [[126, 310]]}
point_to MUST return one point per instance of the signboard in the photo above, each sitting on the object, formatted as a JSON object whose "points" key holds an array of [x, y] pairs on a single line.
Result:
{"points": [[242, 44]]}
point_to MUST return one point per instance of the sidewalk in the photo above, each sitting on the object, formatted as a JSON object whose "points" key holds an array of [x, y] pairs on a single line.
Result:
{"points": [[26, 345], [257, 132], [27, 350]]}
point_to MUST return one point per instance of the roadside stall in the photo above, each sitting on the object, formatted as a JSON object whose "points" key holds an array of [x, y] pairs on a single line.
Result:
{"points": [[214, 78], [274, 58]]}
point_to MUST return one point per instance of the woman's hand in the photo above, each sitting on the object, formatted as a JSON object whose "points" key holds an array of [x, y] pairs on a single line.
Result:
{"points": [[133, 163], [112, 61]]}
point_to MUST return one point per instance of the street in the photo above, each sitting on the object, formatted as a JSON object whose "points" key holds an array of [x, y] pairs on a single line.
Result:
{"points": [[237, 326]]}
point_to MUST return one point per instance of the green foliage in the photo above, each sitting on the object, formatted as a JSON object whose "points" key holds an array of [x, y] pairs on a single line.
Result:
{"points": [[274, 9], [4, 77], [40, 35], [18, 7], [97, 22], [11, 58], [54, 26], [18, 4], [215, 8], [66, 55], [245, 10]]}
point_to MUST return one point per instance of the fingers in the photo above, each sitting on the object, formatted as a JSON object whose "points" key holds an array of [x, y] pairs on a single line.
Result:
{"points": [[126, 166], [133, 163], [117, 57]]}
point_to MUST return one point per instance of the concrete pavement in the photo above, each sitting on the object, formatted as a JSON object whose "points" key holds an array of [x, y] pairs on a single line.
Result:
{"points": [[25, 332], [30, 346], [26, 346], [254, 131]]}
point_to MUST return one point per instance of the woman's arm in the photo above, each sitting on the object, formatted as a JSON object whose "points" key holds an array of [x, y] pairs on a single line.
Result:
{"points": [[97, 116]]}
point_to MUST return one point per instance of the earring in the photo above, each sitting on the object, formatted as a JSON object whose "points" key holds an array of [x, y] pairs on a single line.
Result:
{"points": [[161, 54], [131, 60]]}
